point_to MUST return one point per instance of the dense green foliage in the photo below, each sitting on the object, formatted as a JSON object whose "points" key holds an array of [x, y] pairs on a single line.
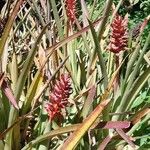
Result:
{"points": [[103, 102]]}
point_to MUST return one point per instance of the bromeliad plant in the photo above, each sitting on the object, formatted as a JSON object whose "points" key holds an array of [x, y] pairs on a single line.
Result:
{"points": [[73, 76]]}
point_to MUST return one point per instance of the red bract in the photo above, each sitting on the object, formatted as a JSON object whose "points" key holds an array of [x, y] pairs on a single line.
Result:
{"points": [[59, 96], [53, 110], [71, 9], [119, 35]]}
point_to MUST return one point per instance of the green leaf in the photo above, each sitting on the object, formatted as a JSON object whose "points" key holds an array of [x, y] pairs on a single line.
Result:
{"points": [[8, 26]]}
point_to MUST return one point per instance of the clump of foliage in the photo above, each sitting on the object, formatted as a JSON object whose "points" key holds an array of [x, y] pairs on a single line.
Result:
{"points": [[74, 74]]}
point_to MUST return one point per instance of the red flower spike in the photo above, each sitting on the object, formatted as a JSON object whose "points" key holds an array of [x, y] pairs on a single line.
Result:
{"points": [[59, 96], [119, 35], [52, 110], [71, 10]]}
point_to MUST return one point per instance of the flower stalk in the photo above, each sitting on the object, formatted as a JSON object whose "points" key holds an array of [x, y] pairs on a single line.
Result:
{"points": [[71, 10], [118, 40], [59, 97]]}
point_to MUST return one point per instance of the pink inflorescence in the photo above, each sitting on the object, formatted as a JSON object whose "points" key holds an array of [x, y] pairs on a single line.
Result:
{"points": [[59, 97], [71, 9], [119, 35]]}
